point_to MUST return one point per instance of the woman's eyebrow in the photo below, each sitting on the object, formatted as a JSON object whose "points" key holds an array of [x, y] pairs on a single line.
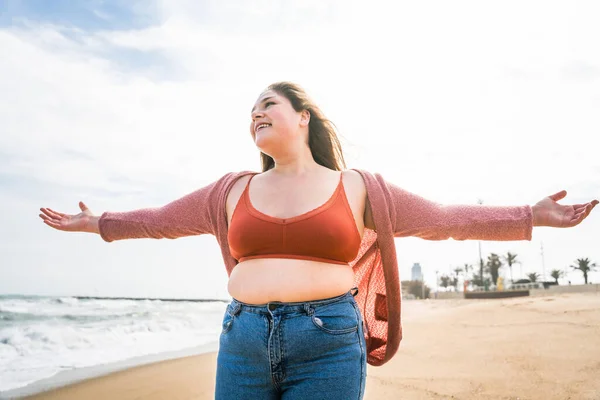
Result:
{"points": [[262, 101]]}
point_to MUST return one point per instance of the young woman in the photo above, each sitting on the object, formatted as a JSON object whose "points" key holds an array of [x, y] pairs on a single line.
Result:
{"points": [[309, 250]]}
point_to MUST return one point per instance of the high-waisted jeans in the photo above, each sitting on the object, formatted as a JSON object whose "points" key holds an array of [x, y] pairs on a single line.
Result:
{"points": [[301, 350]]}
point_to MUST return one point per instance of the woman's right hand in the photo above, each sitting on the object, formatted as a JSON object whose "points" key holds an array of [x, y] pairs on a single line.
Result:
{"points": [[85, 221]]}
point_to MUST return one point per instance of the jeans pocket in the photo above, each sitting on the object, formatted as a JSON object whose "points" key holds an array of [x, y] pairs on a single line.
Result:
{"points": [[335, 319], [227, 321]]}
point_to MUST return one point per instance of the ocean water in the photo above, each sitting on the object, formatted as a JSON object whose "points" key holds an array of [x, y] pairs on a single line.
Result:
{"points": [[42, 336]]}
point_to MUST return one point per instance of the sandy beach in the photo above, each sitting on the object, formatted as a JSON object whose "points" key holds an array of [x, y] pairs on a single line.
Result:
{"points": [[544, 347]]}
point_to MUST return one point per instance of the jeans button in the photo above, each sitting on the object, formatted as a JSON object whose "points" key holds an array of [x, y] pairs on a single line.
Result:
{"points": [[272, 307]]}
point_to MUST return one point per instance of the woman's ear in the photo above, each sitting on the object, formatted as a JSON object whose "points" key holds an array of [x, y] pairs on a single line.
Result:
{"points": [[304, 118]]}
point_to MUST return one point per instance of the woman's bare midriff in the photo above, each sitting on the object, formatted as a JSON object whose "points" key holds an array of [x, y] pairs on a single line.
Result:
{"points": [[260, 281]]}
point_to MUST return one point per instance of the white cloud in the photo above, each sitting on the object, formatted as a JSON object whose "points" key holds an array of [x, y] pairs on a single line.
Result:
{"points": [[453, 101]]}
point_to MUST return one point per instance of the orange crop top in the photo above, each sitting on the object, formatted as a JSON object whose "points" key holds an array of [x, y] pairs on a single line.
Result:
{"points": [[328, 233]]}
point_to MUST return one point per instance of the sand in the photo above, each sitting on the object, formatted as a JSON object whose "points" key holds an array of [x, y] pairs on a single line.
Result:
{"points": [[521, 348]]}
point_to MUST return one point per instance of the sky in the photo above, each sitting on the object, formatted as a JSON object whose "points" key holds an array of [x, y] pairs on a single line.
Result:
{"points": [[133, 104]]}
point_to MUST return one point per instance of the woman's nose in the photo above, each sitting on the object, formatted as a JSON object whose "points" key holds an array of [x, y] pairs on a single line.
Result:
{"points": [[257, 114]]}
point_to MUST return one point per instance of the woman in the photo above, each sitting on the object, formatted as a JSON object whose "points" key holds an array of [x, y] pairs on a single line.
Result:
{"points": [[308, 246]]}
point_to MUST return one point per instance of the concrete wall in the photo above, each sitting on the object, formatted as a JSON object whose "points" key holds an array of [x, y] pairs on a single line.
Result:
{"points": [[552, 290], [448, 295], [556, 289]]}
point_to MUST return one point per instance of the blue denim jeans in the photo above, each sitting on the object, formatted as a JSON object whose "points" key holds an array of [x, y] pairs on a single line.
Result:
{"points": [[301, 350]]}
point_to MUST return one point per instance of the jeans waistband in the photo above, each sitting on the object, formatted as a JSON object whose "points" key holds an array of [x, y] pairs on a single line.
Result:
{"points": [[279, 307]]}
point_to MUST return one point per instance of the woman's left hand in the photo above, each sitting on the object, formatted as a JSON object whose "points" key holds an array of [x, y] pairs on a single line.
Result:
{"points": [[547, 212]]}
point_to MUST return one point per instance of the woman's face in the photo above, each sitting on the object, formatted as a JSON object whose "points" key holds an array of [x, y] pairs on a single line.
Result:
{"points": [[274, 121]]}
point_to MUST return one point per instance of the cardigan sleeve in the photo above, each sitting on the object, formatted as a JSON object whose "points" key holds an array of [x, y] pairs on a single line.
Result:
{"points": [[192, 214], [413, 215]]}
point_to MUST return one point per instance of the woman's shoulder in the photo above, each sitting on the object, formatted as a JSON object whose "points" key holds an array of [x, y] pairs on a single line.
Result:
{"points": [[238, 180], [361, 177], [239, 174], [229, 181], [353, 177], [236, 176], [372, 180]]}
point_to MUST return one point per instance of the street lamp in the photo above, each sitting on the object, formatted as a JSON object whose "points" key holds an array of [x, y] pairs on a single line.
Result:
{"points": [[543, 262], [480, 202]]}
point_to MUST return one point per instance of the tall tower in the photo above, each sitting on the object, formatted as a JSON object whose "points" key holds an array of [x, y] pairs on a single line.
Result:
{"points": [[416, 273]]}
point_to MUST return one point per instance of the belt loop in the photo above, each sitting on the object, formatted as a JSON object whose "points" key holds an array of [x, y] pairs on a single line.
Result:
{"points": [[308, 309], [235, 308], [355, 293]]}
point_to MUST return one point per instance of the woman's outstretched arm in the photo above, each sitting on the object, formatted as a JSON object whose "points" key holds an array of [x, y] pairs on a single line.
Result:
{"points": [[414, 215], [193, 214]]}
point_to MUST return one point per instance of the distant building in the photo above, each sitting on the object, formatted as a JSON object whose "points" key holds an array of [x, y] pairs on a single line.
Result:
{"points": [[416, 274]]}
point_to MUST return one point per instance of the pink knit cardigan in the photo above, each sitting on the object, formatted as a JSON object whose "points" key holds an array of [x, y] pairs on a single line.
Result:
{"points": [[396, 213]]}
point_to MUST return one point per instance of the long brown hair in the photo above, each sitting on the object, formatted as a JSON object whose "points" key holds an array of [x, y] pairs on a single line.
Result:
{"points": [[323, 140]]}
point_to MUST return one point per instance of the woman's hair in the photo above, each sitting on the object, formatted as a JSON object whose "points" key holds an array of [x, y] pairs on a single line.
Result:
{"points": [[322, 137]]}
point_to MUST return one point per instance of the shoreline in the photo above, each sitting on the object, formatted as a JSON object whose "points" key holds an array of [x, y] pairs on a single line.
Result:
{"points": [[74, 376], [528, 348]]}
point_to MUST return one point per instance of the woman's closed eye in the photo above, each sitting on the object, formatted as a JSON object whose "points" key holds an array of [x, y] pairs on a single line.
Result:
{"points": [[268, 103]]}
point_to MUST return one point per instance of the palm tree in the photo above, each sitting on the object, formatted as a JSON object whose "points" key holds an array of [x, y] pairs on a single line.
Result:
{"points": [[445, 281], [481, 265], [533, 277], [454, 282], [476, 280], [585, 266], [457, 271], [494, 264], [557, 273], [510, 259], [467, 268]]}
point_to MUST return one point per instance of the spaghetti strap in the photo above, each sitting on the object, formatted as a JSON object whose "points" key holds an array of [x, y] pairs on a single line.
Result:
{"points": [[246, 189]]}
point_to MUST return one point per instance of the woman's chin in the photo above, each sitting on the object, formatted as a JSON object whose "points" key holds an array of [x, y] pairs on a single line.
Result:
{"points": [[263, 142]]}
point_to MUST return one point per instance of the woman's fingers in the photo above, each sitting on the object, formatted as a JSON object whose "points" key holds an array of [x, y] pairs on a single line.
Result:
{"points": [[589, 209], [48, 217], [585, 211], [559, 195], [55, 225], [580, 212], [51, 213], [580, 216], [54, 219], [579, 207], [57, 213], [575, 220], [45, 211], [50, 222], [584, 208]]}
